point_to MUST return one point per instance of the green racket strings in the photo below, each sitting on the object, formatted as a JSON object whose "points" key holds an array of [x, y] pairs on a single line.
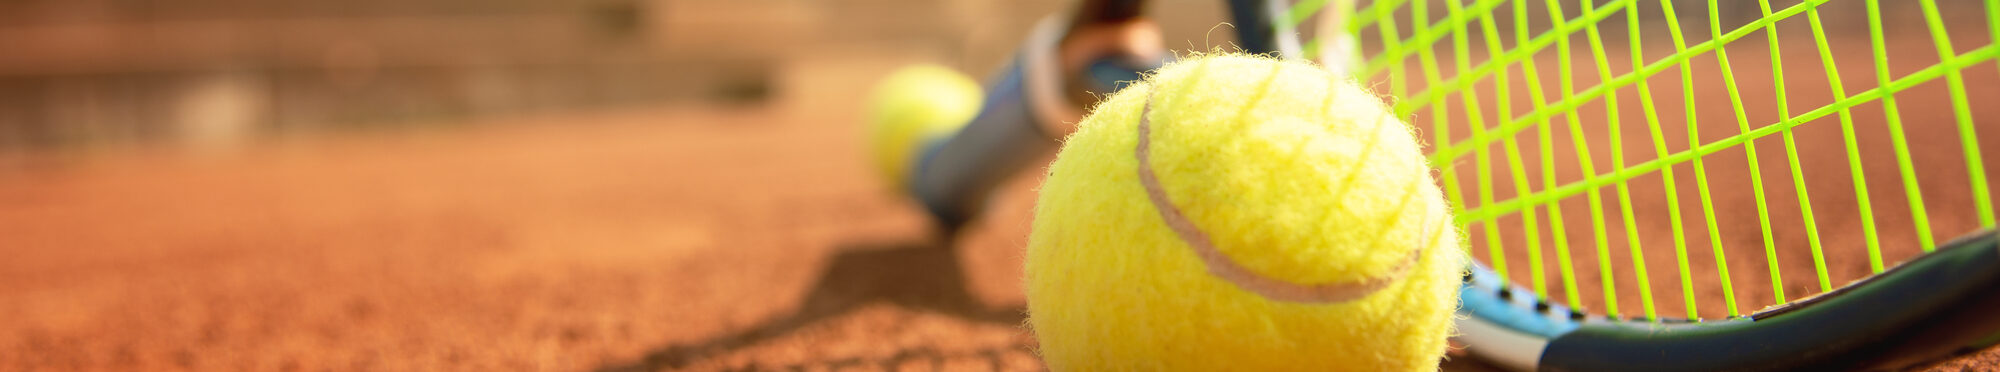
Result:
{"points": [[1533, 139]]}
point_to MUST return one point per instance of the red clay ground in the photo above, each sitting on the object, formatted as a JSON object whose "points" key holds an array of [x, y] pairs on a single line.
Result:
{"points": [[669, 239], [563, 244]]}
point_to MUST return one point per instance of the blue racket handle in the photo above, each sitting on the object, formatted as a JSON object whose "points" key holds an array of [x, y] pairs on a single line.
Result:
{"points": [[1017, 126]]}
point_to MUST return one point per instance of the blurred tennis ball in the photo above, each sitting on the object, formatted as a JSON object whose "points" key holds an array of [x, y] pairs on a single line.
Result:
{"points": [[913, 107], [1236, 212]]}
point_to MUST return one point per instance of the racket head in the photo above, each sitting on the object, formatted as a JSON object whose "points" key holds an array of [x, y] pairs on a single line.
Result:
{"points": [[1583, 141]]}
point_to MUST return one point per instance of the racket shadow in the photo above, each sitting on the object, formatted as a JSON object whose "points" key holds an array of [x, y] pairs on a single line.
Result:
{"points": [[920, 276], [924, 277]]}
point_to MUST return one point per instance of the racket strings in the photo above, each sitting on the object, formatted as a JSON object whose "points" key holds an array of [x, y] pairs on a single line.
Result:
{"points": [[1481, 68]]}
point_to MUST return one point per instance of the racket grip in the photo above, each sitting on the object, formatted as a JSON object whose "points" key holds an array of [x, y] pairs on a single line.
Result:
{"points": [[1026, 110], [953, 175]]}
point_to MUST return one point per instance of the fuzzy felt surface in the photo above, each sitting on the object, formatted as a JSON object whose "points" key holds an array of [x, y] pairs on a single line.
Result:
{"points": [[1292, 176]]}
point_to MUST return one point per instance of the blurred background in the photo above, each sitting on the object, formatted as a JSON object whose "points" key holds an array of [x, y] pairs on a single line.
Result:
{"points": [[489, 185], [533, 185], [222, 72]]}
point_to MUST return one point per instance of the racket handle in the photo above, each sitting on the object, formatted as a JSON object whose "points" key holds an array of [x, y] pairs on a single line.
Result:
{"points": [[954, 175], [1027, 108], [1259, 30]]}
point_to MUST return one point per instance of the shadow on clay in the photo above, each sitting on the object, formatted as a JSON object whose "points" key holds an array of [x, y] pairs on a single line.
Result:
{"points": [[918, 276]]}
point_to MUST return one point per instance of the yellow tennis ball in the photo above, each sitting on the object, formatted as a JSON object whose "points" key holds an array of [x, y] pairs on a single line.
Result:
{"points": [[912, 107], [1242, 213]]}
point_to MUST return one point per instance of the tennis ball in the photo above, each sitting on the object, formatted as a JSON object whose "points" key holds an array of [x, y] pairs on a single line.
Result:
{"points": [[1243, 213], [912, 107]]}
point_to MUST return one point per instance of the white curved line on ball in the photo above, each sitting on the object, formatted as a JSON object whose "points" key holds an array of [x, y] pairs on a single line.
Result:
{"points": [[1222, 266]]}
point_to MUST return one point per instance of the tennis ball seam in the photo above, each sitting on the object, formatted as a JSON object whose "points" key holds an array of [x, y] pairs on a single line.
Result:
{"points": [[1221, 266]]}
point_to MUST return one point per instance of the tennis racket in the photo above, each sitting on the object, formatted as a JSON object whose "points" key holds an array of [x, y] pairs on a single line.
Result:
{"points": [[1588, 144], [1647, 185]]}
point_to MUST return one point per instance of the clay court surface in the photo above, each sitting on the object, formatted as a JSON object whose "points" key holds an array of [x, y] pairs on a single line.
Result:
{"points": [[657, 238], [698, 239]]}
